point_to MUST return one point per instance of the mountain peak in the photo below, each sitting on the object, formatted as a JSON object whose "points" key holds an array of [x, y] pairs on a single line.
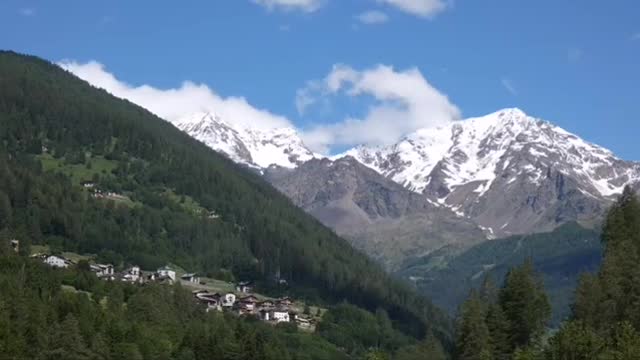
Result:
{"points": [[253, 147]]}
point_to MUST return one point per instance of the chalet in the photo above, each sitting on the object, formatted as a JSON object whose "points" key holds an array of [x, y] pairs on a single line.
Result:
{"points": [[103, 270], [303, 323], [213, 301], [284, 302], [228, 300], [243, 308], [245, 287], [279, 315], [132, 275], [249, 299], [166, 271], [266, 304], [248, 303], [57, 261], [190, 278]]}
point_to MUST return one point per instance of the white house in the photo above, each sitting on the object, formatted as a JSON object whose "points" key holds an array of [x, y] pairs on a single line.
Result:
{"points": [[103, 270], [132, 274], [228, 300], [279, 315], [57, 261], [166, 271], [192, 278]]}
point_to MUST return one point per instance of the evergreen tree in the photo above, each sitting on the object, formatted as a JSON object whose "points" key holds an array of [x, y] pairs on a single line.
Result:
{"points": [[473, 338], [525, 306], [498, 326], [574, 340], [614, 295], [68, 343], [624, 343]]}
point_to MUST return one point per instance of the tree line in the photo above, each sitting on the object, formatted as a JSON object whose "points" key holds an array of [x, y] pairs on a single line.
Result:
{"points": [[510, 323]]}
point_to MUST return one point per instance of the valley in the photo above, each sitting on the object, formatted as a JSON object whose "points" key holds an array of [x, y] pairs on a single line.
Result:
{"points": [[319, 180]]}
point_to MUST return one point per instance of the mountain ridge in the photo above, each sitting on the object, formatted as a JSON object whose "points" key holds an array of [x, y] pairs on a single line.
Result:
{"points": [[508, 172], [253, 147]]}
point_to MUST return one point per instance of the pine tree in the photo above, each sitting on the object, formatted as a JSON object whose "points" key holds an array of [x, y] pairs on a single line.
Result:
{"points": [[68, 342], [525, 306], [614, 295], [498, 326], [473, 342], [624, 343], [575, 340]]}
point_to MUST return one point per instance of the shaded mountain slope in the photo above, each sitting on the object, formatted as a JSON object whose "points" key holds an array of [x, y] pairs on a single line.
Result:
{"points": [[385, 220]]}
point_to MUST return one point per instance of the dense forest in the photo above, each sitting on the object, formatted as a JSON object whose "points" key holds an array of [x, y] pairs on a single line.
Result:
{"points": [[70, 314], [510, 322], [171, 200]]}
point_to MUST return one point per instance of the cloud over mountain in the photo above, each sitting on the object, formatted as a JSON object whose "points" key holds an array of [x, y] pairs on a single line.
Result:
{"points": [[172, 104], [404, 101]]}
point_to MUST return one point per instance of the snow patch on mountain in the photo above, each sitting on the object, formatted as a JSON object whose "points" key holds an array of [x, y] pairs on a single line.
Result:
{"points": [[253, 147], [470, 151]]}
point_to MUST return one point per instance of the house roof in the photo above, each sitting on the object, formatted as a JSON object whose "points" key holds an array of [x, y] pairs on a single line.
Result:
{"points": [[189, 275]]}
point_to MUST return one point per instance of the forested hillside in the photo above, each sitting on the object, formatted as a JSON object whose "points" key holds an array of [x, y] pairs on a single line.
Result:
{"points": [[172, 199], [604, 324], [560, 257]]}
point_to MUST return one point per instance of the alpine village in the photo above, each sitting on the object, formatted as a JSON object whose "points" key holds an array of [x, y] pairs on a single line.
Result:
{"points": [[319, 180]]}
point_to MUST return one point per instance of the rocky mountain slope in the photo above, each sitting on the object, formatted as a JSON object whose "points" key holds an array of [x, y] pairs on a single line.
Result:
{"points": [[379, 216], [508, 172]]}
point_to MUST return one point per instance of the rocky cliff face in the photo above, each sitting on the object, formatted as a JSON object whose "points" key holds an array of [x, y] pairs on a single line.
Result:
{"points": [[379, 216], [508, 172]]}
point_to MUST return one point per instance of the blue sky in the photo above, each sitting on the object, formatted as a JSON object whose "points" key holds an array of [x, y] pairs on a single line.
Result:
{"points": [[572, 62]]}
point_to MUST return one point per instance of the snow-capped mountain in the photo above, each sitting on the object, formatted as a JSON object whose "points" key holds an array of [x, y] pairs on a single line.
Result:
{"points": [[253, 147], [509, 172]]}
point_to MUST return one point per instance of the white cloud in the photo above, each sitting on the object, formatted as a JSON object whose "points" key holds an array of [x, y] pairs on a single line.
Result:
{"points": [[422, 8], [27, 11], [404, 102], [287, 5], [373, 17], [172, 104], [509, 85]]}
